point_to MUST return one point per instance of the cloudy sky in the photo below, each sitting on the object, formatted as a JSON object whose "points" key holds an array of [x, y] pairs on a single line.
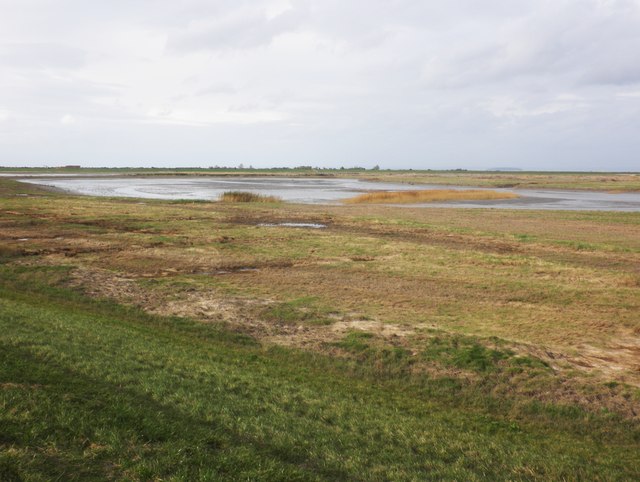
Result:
{"points": [[536, 84]]}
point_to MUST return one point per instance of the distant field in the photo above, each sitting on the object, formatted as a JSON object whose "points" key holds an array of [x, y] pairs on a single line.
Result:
{"points": [[615, 182], [193, 340]]}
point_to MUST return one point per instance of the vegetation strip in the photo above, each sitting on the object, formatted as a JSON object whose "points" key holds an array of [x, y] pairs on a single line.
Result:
{"points": [[602, 181], [247, 197], [429, 195]]}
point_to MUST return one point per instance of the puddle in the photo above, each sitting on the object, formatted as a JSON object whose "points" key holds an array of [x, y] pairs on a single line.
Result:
{"points": [[293, 225], [23, 239]]}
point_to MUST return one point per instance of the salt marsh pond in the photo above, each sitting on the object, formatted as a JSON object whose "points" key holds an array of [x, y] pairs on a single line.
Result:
{"points": [[324, 191]]}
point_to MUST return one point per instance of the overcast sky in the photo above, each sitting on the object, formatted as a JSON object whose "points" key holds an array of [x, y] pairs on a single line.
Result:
{"points": [[539, 84]]}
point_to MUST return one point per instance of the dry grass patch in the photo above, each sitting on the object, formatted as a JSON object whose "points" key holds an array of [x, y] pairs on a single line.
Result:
{"points": [[430, 195], [247, 197]]}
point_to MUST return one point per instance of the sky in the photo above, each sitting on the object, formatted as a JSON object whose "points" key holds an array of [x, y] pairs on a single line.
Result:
{"points": [[456, 84]]}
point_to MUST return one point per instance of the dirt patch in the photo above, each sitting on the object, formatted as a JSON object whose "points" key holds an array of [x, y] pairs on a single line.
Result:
{"points": [[241, 313], [619, 360], [207, 305], [385, 330]]}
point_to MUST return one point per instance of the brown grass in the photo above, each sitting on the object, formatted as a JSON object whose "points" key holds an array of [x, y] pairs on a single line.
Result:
{"points": [[247, 197], [429, 195]]}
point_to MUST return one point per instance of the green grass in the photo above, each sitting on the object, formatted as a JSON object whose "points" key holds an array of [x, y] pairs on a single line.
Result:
{"points": [[305, 310], [467, 353], [11, 188], [355, 341], [91, 390]]}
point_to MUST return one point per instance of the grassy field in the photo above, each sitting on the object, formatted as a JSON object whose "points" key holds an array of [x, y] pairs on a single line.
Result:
{"points": [[603, 181], [203, 341]]}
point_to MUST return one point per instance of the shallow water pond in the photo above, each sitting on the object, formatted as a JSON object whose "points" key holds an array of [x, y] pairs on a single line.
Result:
{"points": [[325, 191]]}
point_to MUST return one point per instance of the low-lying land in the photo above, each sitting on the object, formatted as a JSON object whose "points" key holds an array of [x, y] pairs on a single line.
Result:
{"points": [[602, 181], [428, 195], [196, 340]]}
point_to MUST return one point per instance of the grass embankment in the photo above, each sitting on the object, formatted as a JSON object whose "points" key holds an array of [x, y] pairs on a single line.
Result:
{"points": [[393, 344], [429, 195], [93, 390], [247, 197]]}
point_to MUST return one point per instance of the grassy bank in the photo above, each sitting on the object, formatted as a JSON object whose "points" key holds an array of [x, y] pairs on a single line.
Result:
{"points": [[184, 341], [94, 390]]}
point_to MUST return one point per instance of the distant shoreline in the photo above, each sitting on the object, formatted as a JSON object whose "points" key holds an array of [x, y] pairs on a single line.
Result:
{"points": [[570, 181]]}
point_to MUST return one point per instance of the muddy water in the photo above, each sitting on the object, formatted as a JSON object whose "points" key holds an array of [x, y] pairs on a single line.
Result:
{"points": [[325, 191]]}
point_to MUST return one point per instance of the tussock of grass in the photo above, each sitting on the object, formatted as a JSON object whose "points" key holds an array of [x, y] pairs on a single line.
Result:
{"points": [[429, 195], [247, 197]]}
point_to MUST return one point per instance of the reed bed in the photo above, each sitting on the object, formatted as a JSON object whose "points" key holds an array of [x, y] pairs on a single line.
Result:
{"points": [[429, 195], [247, 197]]}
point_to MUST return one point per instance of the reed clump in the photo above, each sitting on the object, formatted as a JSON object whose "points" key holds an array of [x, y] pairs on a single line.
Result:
{"points": [[247, 197], [429, 195]]}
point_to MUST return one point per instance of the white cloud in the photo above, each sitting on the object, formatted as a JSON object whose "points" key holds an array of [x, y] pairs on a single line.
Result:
{"points": [[511, 108], [68, 120], [630, 94], [404, 83], [239, 29]]}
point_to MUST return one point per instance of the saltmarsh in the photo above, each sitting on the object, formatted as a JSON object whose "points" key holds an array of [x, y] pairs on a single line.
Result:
{"points": [[185, 340], [428, 195]]}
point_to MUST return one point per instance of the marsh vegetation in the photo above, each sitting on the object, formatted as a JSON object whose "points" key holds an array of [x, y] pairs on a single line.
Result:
{"points": [[185, 340], [429, 195], [247, 197]]}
